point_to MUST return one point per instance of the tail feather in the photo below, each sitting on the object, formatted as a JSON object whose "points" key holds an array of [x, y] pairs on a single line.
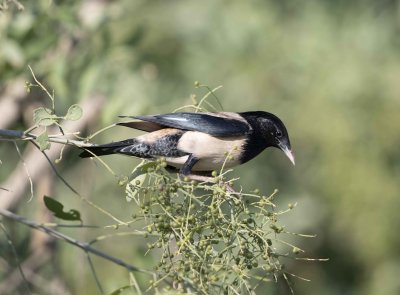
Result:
{"points": [[105, 149], [96, 151]]}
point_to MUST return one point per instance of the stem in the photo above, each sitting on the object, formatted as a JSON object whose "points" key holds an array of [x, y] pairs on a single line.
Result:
{"points": [[16, 134], [12, 133], [84, 246]]}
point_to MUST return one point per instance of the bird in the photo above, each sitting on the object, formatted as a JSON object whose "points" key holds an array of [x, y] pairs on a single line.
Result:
{"points": [[199, 142]]}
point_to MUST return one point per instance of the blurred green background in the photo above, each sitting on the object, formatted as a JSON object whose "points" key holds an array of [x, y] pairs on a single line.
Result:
{"points": [[329, 69]]}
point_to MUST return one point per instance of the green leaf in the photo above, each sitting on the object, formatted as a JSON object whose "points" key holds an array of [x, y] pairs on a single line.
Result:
{"points": [[74, 113], [43, 141], [44, 117], [57, 209]]}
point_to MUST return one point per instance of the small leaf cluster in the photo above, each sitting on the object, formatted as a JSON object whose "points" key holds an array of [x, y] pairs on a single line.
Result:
{"points": [[212, 239], [44, 117]]}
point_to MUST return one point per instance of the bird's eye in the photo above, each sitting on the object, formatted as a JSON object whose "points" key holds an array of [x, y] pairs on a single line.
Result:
{"points": [[278, 134]]}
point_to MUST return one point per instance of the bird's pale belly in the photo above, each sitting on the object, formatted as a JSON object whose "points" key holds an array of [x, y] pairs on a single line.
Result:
{"points": [[205, 164], [211, 151]]}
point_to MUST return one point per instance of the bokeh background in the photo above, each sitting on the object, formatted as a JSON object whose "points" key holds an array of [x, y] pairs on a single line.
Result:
{"points": [[329, 69]]}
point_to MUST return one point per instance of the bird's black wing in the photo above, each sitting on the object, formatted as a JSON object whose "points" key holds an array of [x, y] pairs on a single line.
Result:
{"points": [[216, 124], [142, 125]]}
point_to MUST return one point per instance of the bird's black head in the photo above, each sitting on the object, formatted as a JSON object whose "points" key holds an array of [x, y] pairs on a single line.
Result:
{"points": [[272, 131]]}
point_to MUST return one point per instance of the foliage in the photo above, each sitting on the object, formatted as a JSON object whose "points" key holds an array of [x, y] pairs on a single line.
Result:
{"points": [[328, 68], [212, 238]]}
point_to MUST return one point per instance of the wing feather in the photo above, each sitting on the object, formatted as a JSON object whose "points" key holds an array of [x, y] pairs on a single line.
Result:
{"points": [[216, 124], [142, 125]]}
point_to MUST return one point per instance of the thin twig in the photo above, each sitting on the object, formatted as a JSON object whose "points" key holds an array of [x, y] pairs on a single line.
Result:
{"points": [[74, 190], [26, 284], [43, 88], [31, 137], [84, 246], [93, 269], [26, 170], [17, 134], [12, 133]]}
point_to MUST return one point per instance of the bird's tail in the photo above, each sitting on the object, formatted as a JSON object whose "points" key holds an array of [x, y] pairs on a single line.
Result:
{"points": [[105, 149]]}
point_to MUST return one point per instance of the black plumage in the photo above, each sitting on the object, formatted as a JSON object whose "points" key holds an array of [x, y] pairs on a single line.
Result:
{"points": [[200, 142]]}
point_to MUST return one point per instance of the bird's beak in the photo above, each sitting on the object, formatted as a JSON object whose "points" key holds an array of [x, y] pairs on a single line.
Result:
{"points": [[288, 152]]}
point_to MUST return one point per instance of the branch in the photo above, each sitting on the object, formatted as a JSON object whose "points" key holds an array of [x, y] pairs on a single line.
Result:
{"points": [[29, 267], [84, 246], [20, 135], [17, 181], [12, 133]]}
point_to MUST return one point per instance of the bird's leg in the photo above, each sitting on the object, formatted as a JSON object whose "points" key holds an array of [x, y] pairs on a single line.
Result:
{"points": [[186, 170], [187, 167]]}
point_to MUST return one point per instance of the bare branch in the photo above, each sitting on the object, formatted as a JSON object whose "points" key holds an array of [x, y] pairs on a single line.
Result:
{"points": [[26, 285], [12, 133], [17, 134], [84, 246]]}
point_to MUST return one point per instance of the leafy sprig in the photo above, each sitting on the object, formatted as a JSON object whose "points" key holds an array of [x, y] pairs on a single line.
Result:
{"points": [[212, 239]]}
